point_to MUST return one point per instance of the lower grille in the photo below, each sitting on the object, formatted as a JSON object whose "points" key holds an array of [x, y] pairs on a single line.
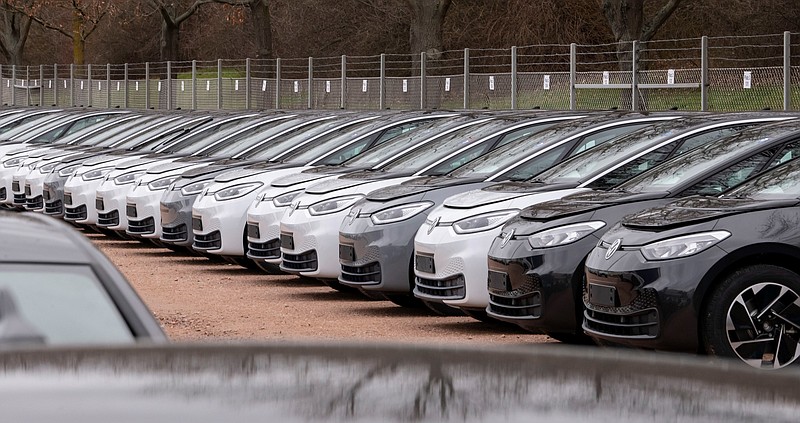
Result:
{"points": [[639, 319], [75, 213], [452, 288], [3, 193], [15, 186], [529, 306], [305, 262], [34, 203], [56, 207], [212, 241], [369, 274], [108, 219], [28, 191], [45, 194], [264, 250], [142, 227], [19, 199], [175, 233]]}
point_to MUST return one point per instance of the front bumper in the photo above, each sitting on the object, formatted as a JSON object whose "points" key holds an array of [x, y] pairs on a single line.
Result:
{"points": [[143, 211], [219, 226], [313, 250], [176, 218], [53, 195], [110, 205], [263, 232], [80, 200], [650, 304], [34, 192]]}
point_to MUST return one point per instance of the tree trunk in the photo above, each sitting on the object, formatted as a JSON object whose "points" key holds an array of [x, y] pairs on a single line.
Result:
{"points": [[78, 43], [14, 35], [427, 18], [170, 41], [262, 26]]}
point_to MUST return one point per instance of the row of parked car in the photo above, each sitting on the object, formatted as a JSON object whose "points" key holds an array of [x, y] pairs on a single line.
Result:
{"points": [[672, 231]]}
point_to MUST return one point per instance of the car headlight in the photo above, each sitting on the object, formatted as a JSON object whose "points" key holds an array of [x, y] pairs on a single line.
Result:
{"points": [[334, 205], [127, 178], [96, 174], [47, 168], [236, 191], [162, 183], [564, 235], [68, 171], [682, 246], [483, 222], [399, 213], [284, 200], [195, 188], [15, 162]]}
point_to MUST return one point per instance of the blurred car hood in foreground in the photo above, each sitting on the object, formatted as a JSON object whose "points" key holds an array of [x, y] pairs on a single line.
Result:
{"points": [[315, 382]]}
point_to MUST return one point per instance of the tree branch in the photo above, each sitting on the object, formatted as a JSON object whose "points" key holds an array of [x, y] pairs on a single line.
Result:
{"points": [[649, 29]]}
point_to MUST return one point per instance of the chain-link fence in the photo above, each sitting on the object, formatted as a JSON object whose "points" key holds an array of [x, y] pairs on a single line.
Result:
{"points": [[705, 73]]}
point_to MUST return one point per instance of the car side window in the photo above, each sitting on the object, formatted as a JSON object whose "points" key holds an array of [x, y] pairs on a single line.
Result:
{"points": [[459, 160], [702, 138], [397, 131], [791, 151], [523, 132], [597, 138], [730, 176], [534, 166], [633, 168]]}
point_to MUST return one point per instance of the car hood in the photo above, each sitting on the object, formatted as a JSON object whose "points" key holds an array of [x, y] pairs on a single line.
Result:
{"points": [[104, 158], [418, 186], [128, 164], [216, 167], [692, 210], [583, 202], [499, 192], [171, 166], [309, 175], [252, 170]]}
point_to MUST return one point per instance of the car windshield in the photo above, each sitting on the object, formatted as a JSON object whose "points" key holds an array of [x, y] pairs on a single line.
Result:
{"points": [[443, 146], [208, 135], [782, 182], [693, 163], [244, 139], [583, 166], [139, 131], [512, 152], [433, 143], [65, 304], [290, 134], [329, 152]]}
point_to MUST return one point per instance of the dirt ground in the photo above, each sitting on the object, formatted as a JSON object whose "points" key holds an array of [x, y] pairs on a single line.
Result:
{"points": [[196, 299]]}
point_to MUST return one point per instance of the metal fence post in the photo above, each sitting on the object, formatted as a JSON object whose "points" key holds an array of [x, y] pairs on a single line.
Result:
{"points": [[125, 92], [423, 92], [168, 89], [634, 78], [787, 70], [247, 82], [41, 85], [108, 85], [343, 88], [310, 82], [194, 85], [573, 76], [2, 86], [55, 84], [219, 84], [278, 83], [466, 78], [89, 83], [146, 85], [72, 85], [704, 73], [27, 85], [513, 77], [13, 85], [382, 84]]}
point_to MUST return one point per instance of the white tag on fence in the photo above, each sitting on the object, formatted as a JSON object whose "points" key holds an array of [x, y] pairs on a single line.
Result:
{"points": [[208, 85], [327, 86], [183, 86], [159, 86], [8, 83], [491, 83], [49, 83], [137, 85], [670, 76], [65, 83], [748, 79], [606, 78], [297, 86], [236, 85], [405, 85], [546, 82], [447, 84], [117, 85], [99, 86], [81, 84], [364, 86], [263, 85]]}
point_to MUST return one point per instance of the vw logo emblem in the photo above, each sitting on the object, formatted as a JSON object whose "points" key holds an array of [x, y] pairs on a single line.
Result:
{"points": [[433, 225], [293, 207], [506, 238], [613, 248]]}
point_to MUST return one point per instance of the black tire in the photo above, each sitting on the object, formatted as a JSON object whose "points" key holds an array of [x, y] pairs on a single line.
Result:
{"points": [[245, 262], [572, 338], [758, 301], [405, 300], [443, 309], [269, 268], [481, 315], [335, 284]]}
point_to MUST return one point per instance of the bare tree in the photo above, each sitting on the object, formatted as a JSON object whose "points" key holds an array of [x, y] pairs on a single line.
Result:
{"points": [[425, 31], [15, 28], [627, 22], [171, 21]]}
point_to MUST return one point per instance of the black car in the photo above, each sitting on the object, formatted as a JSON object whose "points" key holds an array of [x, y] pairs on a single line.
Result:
{"points": [[719, 275], [536, 264], [56, 288]]}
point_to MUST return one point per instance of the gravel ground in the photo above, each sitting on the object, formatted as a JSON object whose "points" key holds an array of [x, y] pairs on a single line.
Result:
{"points": [[196, 299]]}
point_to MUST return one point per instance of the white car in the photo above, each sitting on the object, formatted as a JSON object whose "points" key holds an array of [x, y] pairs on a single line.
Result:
{"points": [[451, 246], [219, 213]]}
